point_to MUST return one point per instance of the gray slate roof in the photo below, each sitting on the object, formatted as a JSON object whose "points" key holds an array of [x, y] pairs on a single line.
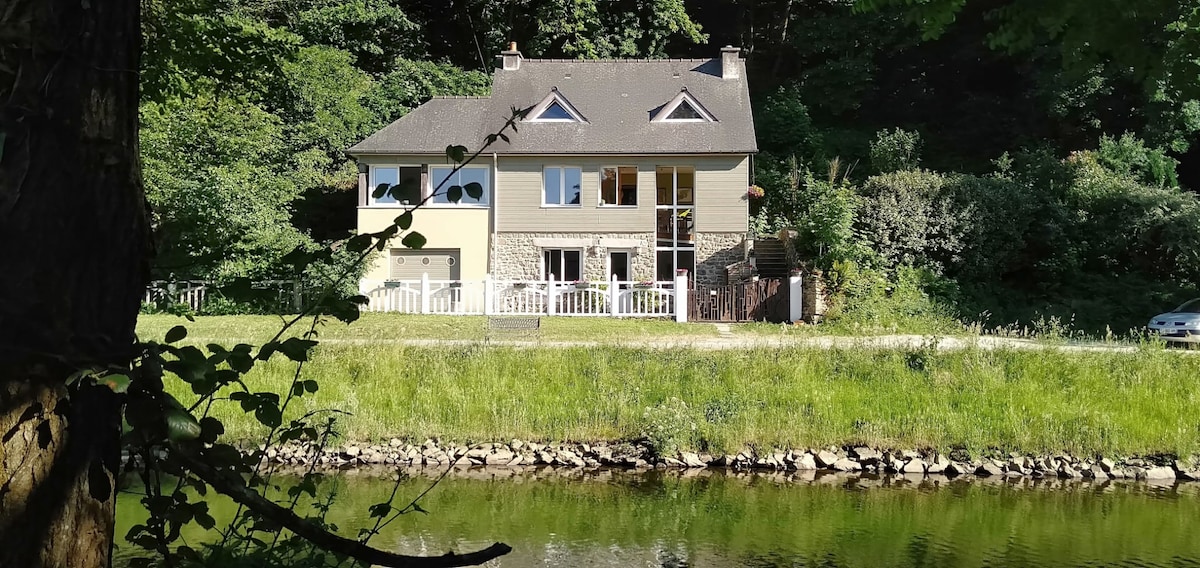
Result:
{"points": [[617, 97]]}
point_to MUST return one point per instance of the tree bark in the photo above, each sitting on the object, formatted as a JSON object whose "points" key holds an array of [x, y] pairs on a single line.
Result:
{"points": [[74, 252]]}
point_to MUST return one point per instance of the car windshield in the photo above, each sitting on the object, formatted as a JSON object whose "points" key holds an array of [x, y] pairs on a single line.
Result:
{"points": [[1190, 307]]}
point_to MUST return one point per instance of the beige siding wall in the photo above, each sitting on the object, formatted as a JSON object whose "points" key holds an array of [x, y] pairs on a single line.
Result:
{"points": [[721, 204], [721, 183], [463, 229]]}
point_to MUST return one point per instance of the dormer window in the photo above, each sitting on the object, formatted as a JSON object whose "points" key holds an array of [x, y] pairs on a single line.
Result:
{"points": [[685, 111], [555, 112], [554, 108], [683, 108]]}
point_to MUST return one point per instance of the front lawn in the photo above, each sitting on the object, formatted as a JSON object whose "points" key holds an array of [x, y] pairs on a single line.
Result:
{"points": [[390, 327]]}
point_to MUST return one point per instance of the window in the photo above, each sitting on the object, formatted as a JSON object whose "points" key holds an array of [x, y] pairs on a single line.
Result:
{"points": [[554, 108], [563, 265], [618, 186], [404, 185], [675, 224], [467, 175], [561, 185], [555, 112], [685, 111], [683, 108]]}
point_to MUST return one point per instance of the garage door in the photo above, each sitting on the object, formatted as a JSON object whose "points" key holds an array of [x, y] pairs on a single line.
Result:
{"points": [[440, 264]]}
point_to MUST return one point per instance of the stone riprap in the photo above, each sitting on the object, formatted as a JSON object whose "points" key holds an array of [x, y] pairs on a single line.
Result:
{"points": [[857, 459]]}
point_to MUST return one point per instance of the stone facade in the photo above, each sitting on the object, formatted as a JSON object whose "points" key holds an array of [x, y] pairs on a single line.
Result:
{"points": [[714, 252], [518, 256]]}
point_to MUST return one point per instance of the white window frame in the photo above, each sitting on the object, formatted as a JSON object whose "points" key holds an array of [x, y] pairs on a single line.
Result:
{"points": [[562, 180], [432, 185], [372, 184], [636, 190], [562, 261], [674, 103], [535, 113]]}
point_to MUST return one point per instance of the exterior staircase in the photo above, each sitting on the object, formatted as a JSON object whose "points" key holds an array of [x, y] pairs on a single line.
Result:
{"points": [[770, 258]]}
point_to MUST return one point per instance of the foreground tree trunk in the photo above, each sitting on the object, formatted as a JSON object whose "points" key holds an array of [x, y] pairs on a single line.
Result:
{"points": [[73, 263]]}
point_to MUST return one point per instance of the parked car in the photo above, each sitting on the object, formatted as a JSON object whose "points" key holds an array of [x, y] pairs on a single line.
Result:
{"points": [[1181, 324]]}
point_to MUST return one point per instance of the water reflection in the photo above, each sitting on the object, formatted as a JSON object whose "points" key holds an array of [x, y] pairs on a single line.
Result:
{"points": [[712, 518]]}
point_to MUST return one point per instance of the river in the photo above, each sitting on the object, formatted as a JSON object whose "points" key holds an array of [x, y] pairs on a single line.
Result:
{"points": [[711, 518]]}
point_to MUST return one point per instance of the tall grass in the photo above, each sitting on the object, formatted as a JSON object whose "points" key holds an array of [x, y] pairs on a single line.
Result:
{"points": [[1043, 401]]}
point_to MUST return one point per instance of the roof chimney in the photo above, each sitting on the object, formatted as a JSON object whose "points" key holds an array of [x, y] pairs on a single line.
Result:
{"points": [[510, 60], [729, 62]]}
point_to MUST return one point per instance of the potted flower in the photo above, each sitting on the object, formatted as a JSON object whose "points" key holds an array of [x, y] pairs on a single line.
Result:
{"points": [[520, 285], [582, 285], [644, 285]]}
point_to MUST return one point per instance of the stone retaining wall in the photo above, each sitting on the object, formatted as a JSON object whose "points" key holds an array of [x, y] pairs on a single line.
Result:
{"points": [[858, 459]]}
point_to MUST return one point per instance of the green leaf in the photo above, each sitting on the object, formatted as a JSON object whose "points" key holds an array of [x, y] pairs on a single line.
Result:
{"points": [[241, 362], [298, 258], [454, 194], [310, 386], [118, 383], [181, 425], [414, 240], [380, 190], [456, 153], [474, 190], [359, 243], [380, 509], [297, 349], [268, 414], [267, 350], [210, 429], [175, 334], [405, 220]]}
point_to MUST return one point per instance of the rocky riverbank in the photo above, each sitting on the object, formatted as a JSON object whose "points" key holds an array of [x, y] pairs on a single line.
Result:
{"points": [[860, 459]]}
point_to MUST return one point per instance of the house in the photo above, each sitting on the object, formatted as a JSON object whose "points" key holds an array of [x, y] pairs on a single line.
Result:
{"points": [[632, 170]]}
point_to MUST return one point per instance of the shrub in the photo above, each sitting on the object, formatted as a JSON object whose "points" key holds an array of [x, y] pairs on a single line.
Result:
{"points": [[669, 426], [911, 217], [896, 151]]}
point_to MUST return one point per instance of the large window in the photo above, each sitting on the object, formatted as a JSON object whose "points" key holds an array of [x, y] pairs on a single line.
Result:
{"points": [[675, 220], [404, 185], [564, 265], [618, 185], [467, 175], [561, 185]]}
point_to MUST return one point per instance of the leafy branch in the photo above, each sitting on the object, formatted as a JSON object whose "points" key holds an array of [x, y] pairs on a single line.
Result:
{"points": [[168, 438]]}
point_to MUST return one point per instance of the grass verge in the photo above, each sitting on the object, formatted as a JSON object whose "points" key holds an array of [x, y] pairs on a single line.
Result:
{"points": [[385, 327], [1044, 401]]}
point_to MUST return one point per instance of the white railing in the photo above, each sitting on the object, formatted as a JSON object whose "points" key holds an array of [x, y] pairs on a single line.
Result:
{"points": [[614, 298], [195, 293]]}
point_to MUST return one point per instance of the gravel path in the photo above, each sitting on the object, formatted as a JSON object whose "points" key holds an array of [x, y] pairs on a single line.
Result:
{"points": [[728, 341]]}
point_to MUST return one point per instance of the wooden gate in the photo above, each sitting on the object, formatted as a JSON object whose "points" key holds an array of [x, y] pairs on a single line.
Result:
{"points": [[759, 300]]}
